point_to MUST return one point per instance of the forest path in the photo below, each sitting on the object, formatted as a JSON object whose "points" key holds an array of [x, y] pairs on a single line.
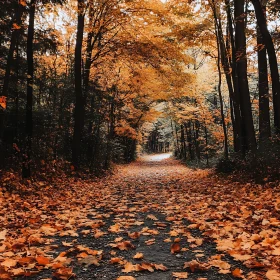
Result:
{"points": [[154, 219]]}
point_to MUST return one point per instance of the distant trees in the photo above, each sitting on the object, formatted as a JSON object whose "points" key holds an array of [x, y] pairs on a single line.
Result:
{"points": [[83, 79], [86, 81]]}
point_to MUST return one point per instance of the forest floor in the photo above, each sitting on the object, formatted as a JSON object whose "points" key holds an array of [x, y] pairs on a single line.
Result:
{"points": [[154, 219]]}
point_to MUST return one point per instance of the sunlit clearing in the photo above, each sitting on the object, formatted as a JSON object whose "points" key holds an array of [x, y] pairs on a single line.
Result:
{"points": [[157, 157]]}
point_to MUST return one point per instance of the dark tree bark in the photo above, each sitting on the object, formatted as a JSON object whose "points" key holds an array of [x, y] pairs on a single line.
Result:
{"points": [[248, 131], [232, 62], [222, 58], [264, 116], [183, 153], [221, 97], [267, 40], [26, 170], [19, 9], [79, 105]]}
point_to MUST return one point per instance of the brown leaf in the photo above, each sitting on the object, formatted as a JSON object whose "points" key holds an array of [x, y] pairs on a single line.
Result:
{"points": [[116, 260], [42, 260], [9, 263], [134, 235], [138, 256], [194, 265], [129, 267], [17, 272], [126, 278], [147, 266], [175, 248], [90, 260], [26, 260], [152, 217], [3, 234], [272, 274], [237, 273], [64, 273], [160, 267], [180, 275]]}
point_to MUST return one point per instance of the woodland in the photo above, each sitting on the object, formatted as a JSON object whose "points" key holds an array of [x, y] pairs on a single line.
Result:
{"points": [[140, 139]]}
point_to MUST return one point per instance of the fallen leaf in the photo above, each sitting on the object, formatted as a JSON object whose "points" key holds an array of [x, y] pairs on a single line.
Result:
{"points": [[138, 256], [194, 265], [90, 260], [42, 260], [175, 248], [115, 260], [237, 273], [129, 267], [160, 267], [152, 217], [3, 234], [272, 274], [147, 266], [64, 273], [9, 263], [180, 275]]}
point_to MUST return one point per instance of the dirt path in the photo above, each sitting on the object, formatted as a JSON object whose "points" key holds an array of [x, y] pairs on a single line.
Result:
{"points": [[179, 222]]}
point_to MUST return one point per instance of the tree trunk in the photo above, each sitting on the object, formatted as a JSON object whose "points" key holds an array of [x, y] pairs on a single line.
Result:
{"points": [[13, 43], [221, 97], [79, 105], [236, 100], [183, 153], [264, 116], [267, 40], [248, 131], [26, 170], [222, 58]]}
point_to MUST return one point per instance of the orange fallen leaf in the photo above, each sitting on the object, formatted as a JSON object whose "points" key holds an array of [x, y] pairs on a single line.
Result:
{"points": [[89, 260], [17, 272], [180, 275], [237, 273], [152, 217], [9, 263], [26, 260], [147, 266], [134, 235], [42, 260], [150, 241], [272, 274], [160, 267], [64, 273], [194, 265], [3, 234], [115, 260], [138, 256], [175, 248], [126, 278], [129, 267]]}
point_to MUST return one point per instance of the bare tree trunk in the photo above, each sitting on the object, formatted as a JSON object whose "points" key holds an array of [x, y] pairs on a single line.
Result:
{"points": [[13, 43], [26, 170], [248, 131], [267, 40], [221, 97], [232, 61], [79, 105], [264, 116]]}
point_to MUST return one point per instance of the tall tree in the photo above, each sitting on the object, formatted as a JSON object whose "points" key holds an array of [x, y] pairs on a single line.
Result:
{"points": [[264, 116], [248, 131], [16, 29], [79, 104], [26, 170], [267, 40]]}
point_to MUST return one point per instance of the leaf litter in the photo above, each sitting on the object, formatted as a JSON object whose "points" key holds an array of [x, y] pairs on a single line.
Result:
{"points": [[149, 220]]}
